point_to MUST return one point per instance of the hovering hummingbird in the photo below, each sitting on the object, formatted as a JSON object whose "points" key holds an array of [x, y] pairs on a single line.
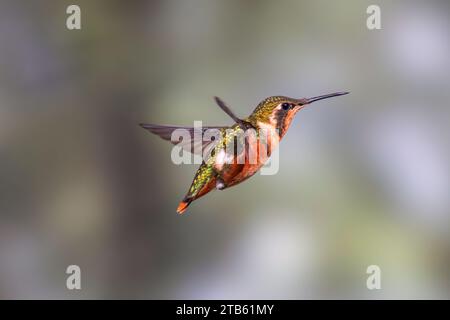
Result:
{"points": [[221, 169]]}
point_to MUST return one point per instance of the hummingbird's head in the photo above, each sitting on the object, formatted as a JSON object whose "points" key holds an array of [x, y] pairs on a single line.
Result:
{"points": [[278, 111]]}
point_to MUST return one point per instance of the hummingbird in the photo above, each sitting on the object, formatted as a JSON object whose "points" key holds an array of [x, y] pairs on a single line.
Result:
{"points": [[222, 169]]}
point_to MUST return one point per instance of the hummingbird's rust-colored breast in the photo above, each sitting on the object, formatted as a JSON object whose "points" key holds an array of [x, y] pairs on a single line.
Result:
{"points": [[255, 148]]}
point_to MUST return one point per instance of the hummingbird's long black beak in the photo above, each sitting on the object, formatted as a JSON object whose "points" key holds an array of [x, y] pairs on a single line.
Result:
{"points": [[326, 96]]}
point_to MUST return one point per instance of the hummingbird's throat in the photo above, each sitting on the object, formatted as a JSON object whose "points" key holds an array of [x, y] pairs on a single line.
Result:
{"points": [[281, 121]]}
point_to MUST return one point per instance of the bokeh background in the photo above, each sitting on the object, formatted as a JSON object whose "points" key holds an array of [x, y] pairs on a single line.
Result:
{"points": [[364, 179]]}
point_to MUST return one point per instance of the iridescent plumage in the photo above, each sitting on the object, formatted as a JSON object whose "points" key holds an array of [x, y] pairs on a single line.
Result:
{"points": [[229, 159]]}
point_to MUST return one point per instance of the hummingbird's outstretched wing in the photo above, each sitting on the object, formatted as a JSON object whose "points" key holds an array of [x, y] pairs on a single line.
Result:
{"points": [[243, 124], [192, 139]]}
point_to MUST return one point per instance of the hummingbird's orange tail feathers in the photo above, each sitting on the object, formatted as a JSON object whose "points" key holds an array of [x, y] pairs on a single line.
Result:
{"points": [[183, 206]]}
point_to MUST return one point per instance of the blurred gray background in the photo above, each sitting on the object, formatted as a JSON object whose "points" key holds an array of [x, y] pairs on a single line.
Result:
{"points": [[364, 179]]}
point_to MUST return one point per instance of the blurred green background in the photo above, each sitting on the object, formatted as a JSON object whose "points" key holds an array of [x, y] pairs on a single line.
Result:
{"points": [[364, 179]]}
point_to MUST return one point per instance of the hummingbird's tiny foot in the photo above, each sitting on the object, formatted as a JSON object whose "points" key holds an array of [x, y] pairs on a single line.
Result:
{"points": [[220, 185]]}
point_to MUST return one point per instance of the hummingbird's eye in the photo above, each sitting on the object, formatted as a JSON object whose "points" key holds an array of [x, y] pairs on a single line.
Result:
{"points": [[286, 106]]}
